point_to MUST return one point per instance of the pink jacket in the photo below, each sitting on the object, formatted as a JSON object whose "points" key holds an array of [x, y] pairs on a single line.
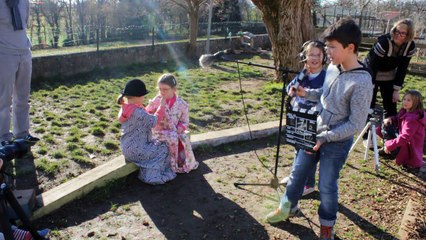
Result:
{"points": [[411, 138]]}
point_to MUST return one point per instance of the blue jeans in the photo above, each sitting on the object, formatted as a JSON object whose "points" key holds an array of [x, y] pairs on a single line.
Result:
{"points": [[332, 156], [310, 179]]}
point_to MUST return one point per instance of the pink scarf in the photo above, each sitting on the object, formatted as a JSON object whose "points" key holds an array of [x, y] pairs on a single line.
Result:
{"points": [[171, 101], [126, 111]]}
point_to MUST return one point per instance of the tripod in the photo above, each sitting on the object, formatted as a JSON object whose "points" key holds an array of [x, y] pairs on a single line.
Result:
{"points": [[6, 196], [372, 136], [274, 183]]}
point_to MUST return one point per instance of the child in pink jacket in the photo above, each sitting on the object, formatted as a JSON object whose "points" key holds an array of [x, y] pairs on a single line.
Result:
{"points": [[410, 122]]}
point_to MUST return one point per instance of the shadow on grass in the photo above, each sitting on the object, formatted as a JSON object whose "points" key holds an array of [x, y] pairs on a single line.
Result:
{"points": [[225, 69], [364, 224], [420, 189], [297, 230], [26, 174]]}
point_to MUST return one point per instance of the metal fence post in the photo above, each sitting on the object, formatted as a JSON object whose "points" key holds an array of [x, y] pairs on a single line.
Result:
{"points": [[152, 36]]}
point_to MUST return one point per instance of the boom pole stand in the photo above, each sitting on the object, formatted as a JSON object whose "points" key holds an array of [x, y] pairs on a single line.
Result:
{"points": [[6, 196], [274, 183], [372, 136]]}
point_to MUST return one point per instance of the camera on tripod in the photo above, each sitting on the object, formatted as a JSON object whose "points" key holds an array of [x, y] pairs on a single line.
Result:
{"points": [[8, 201], [376, 114], [15, 149]]}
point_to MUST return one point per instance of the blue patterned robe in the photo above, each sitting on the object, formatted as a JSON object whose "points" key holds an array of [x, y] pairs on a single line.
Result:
{"points": [[138, 147]]}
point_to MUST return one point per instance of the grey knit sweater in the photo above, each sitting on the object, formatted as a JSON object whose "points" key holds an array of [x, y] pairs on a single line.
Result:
{"points": [[344, 103], [14, 42]]}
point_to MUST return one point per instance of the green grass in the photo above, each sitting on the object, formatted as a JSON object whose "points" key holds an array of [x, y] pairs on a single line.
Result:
{"points": [[48, 167]]}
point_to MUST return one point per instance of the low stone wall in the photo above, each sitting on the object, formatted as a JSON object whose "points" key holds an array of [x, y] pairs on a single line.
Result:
{"points": [[77, 63]]}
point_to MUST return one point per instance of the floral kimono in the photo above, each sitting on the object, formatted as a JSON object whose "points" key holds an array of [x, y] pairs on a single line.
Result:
{"points": [[173, 130]]}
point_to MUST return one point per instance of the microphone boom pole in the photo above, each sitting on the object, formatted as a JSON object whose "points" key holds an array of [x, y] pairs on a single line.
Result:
{"points": [[274, 182], [208, 59]]}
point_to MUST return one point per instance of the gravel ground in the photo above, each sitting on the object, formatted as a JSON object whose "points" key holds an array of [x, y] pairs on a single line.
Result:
{"points": [[205, 204]]}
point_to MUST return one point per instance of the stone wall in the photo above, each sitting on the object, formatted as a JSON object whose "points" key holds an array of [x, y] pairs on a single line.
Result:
{"points": [[77, 63]]}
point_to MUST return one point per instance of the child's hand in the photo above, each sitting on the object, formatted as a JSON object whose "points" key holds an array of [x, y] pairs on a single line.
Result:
{"points": [[386, 150], [163, 102], [317, 146], [387, 121], [292, 91], [301, 91], [307, 67], [395, 96]]}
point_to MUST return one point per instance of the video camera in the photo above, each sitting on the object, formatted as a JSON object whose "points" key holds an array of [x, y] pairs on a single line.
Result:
{"points": [[376, 115], [15, 149]]}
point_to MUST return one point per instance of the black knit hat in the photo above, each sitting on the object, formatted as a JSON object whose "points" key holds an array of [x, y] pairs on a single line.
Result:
{"points": [[135, 88]]}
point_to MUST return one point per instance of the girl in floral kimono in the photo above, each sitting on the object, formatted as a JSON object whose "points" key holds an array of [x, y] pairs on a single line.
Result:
{"points": [[173, 129], [137, 145]]}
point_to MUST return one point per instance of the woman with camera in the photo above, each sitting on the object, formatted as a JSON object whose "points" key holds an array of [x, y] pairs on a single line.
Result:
{"points": [[388, 61]]}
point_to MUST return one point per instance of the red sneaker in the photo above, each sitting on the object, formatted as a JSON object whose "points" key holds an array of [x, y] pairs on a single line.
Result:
{"points": [[327, 233]]}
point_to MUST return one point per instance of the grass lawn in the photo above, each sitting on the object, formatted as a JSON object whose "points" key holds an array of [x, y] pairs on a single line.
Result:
{"points": [[76, 118]]}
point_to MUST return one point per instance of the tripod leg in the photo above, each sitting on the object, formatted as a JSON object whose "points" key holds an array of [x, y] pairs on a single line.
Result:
{"points": [[368, 143], [367, 126], [20, 212], [376, 151], [5, 226]]}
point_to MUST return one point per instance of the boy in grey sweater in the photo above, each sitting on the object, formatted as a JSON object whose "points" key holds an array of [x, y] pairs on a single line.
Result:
{"points": [[344, 103], [15, 71]]}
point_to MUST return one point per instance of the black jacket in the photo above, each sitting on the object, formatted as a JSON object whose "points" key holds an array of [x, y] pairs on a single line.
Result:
{"points": [[380, 58]]}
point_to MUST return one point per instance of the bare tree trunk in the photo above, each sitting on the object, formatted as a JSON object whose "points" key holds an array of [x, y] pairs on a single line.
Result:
{"points": [[289, 25], [192, 7], [361, 16], [193, 24], [363, 5], [38, 20], [80, 10], [70, 30]]}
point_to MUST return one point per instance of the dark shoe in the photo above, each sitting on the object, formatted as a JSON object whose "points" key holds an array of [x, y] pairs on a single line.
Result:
{"points": [[411, 170], [31, 139], [4, 143]]}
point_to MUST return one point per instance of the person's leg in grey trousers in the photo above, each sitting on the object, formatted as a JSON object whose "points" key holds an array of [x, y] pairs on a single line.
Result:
{"points": [[15, 82]]}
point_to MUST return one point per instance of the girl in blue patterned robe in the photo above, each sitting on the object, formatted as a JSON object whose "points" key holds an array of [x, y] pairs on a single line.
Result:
{"points": [[137, 145]]}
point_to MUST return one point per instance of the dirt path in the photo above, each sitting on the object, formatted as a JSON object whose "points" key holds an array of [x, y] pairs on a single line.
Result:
{"points": [[205, 204]]}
